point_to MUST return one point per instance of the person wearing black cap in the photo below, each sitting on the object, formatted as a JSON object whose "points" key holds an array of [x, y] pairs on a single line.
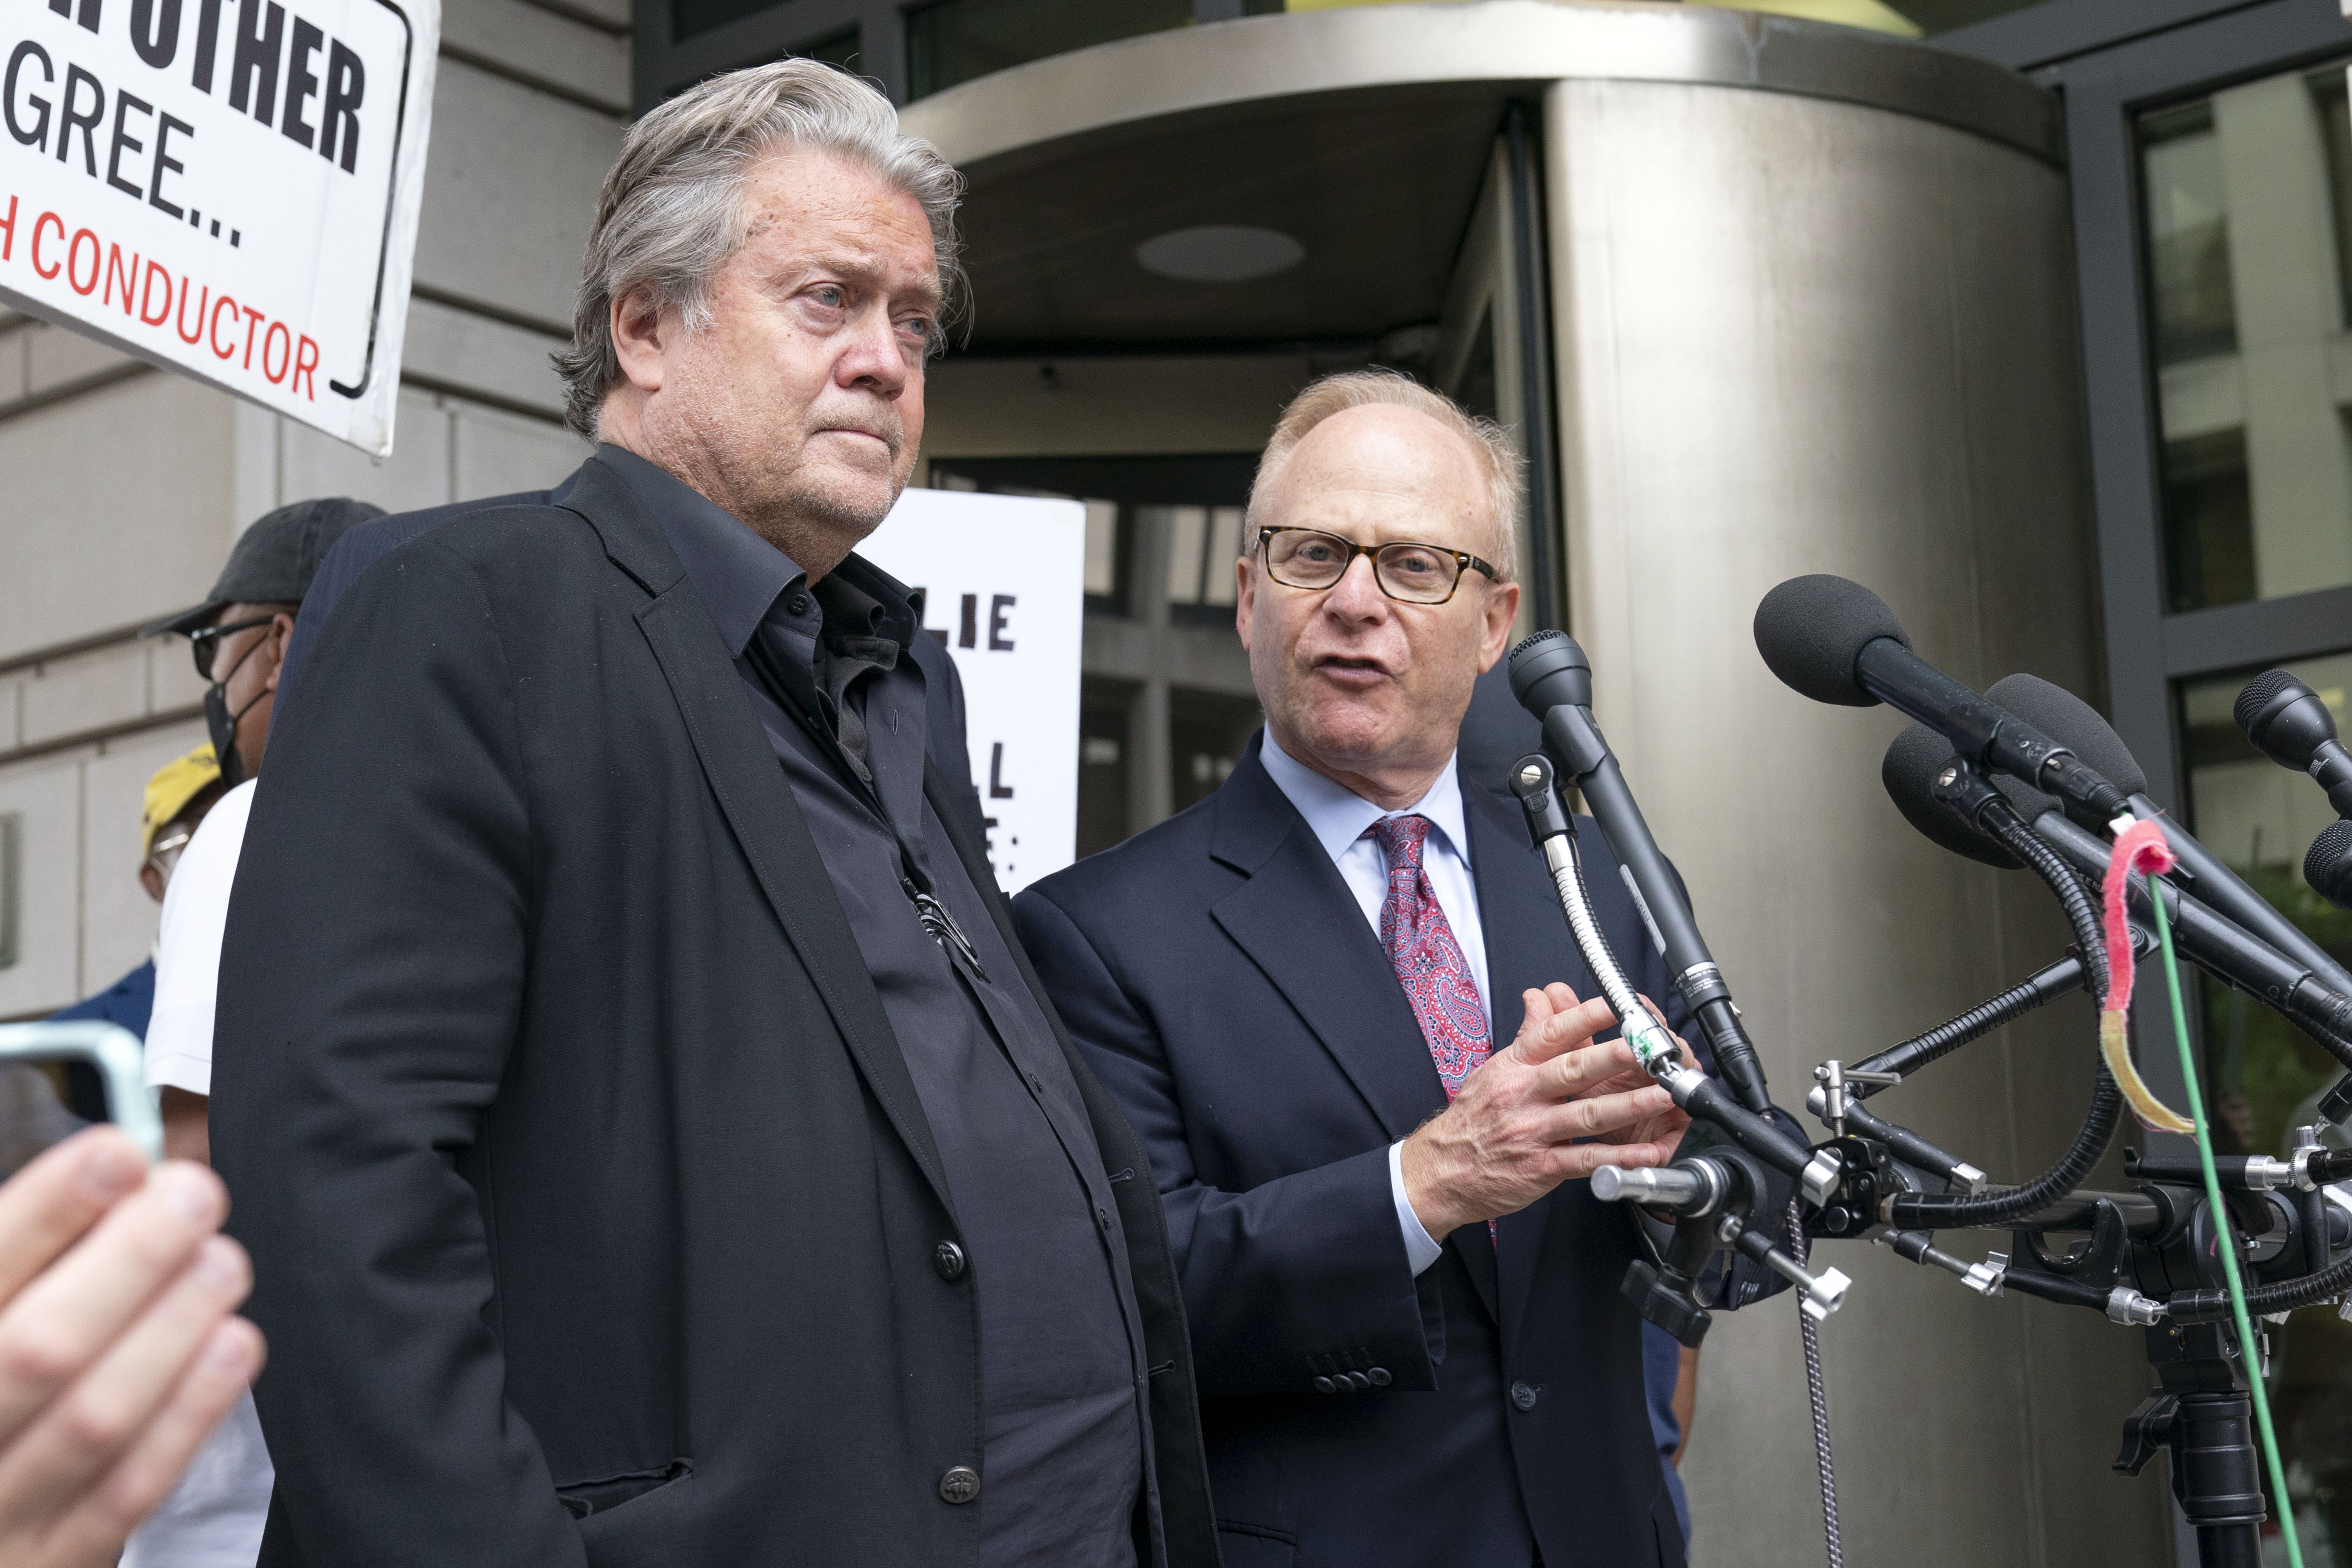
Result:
{"points": [[213, 1518], [240, 631]]}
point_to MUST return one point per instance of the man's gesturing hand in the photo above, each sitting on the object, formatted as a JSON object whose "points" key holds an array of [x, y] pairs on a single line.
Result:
{"points": [[1510, 1136], [118, 1352]]}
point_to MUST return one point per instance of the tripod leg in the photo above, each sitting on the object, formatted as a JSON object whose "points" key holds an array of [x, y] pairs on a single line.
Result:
{"points": [[2218, 1479]]}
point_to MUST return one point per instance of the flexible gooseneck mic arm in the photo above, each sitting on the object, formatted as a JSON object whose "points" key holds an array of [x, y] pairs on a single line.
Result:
{"points": [[1535, 782], [1553, 680]]}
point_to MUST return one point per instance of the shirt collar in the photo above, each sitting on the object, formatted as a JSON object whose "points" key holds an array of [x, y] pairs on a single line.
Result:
{"points": [[735, 573], [1338, 815], [740, 577]]}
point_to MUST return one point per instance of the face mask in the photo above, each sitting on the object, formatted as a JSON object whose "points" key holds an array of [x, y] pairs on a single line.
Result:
{"points": [[221, 724]]}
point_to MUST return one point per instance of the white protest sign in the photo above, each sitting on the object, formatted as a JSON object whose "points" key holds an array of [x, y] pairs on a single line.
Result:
{"points": [[227, 188], [1004, 580]]}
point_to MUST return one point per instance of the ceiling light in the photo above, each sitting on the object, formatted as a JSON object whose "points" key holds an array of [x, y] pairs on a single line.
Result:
{"points": [[1220, 253]]}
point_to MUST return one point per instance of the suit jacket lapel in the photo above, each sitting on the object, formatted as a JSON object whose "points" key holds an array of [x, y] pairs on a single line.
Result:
{"points": [[1528, 947], [1298, 922], [758, 804]]}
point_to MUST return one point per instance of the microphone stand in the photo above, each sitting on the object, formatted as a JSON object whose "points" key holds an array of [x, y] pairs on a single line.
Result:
{"points": [[1747, 1166], [2148, 1258], [1549, 670]]}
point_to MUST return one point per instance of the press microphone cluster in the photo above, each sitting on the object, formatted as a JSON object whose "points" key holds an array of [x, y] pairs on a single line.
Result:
{"points": [[2211, 940], [2027, 775]]}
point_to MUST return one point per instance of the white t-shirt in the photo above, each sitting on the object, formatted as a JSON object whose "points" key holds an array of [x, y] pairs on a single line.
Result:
{"points": [[188, 948], [214, 1516]]}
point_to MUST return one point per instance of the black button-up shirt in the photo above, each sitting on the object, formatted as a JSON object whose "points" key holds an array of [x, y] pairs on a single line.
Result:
{"points": [[1065, 1465]]}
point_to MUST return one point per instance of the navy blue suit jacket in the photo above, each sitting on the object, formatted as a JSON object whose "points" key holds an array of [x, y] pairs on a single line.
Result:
{"points": [[1228, 990]]}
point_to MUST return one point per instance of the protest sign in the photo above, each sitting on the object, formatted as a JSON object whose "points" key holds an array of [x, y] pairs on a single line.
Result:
{"points": [[1004, 588], [227, 188]]}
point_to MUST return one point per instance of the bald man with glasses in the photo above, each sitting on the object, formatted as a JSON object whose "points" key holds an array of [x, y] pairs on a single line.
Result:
{"points": [[1338, 1004]]}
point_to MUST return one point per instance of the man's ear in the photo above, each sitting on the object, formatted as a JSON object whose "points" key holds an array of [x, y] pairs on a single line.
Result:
{"points": [[151, 879], [281, 631], [641, 336], [1501, 608]]}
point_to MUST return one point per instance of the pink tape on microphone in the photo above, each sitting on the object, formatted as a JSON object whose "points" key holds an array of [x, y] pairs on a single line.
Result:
{"points": [[2140, 848]]}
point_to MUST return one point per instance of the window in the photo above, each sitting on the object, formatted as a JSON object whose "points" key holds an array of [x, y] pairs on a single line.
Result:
{"points": [[1105, 713], [2260, 817], [1203, 543], [1207, 734], [2244, 212], [957, 40]]}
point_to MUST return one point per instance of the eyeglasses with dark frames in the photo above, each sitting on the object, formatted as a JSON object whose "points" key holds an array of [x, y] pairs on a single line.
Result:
{"points": [[1408, 573], [206, 643]]}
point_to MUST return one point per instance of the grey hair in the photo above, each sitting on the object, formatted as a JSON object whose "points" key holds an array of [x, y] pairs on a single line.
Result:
{"points": [[671, 212], [1491, 447]]}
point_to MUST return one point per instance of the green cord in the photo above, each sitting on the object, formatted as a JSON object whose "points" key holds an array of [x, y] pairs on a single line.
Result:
{"points": [[2251, 1352]]}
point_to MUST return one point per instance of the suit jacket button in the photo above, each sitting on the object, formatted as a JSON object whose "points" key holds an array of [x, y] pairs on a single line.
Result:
{"points": [[1324, 1386], [1359, 1381], [1380, 1376], [948, 1258], [961, 1484], [1523, 1395]]}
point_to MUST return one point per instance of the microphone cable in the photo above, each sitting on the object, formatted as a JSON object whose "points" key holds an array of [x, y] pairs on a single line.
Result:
{"points": [[2238, 1302], [1950, 1212], [1811, 1331]]}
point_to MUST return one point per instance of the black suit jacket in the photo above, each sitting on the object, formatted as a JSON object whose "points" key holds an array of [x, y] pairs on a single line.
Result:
{"points": [[591, 1206], [1227, 987], [364, 544]]}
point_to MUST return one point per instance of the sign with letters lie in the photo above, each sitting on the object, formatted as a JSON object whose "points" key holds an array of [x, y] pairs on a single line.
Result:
{"points": [[227, 188], [1005, 590]]}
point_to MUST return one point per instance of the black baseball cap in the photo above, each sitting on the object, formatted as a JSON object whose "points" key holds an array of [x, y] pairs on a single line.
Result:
{"points": [[274, 561]]}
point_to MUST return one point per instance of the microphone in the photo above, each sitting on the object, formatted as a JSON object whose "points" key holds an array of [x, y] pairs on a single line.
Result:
{"points": [[1914, 759], [2328, 867], [2212, 941], [2289, 725], [1835, 641], [1553, 680], [2077, 726]]}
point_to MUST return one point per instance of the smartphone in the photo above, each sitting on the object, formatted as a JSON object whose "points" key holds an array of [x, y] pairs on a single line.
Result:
{"points": [[58, 1078]]}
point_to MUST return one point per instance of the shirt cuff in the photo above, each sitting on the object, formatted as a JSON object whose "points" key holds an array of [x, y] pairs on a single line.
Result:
{"points": [[194, 1075], [1419, 1249]]}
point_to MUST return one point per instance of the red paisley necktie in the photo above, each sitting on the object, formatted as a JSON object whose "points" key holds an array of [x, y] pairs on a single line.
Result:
{"points": [[1429, 963]]}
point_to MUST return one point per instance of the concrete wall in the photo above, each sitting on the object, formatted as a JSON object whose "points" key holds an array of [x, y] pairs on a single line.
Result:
{"points": [[1798, 336], [126, 485]]}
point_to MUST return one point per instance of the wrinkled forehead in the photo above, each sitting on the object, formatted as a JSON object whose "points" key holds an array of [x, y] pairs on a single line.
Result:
{"points": [[827, 211], [1382, 473]]}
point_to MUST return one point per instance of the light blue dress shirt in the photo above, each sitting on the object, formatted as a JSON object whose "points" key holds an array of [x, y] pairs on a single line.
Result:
{"points": [[1338, 817]]}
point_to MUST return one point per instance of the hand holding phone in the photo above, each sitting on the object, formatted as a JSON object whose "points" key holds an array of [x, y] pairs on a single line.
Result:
{"points": [[119, 1349]]}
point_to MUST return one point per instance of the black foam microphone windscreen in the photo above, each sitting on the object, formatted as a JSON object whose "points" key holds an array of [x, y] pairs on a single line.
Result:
{"points": [[1550, 669], [2284, 719], [2074, 724], [2328, 867], [1811, 630], [1909, 771]]}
